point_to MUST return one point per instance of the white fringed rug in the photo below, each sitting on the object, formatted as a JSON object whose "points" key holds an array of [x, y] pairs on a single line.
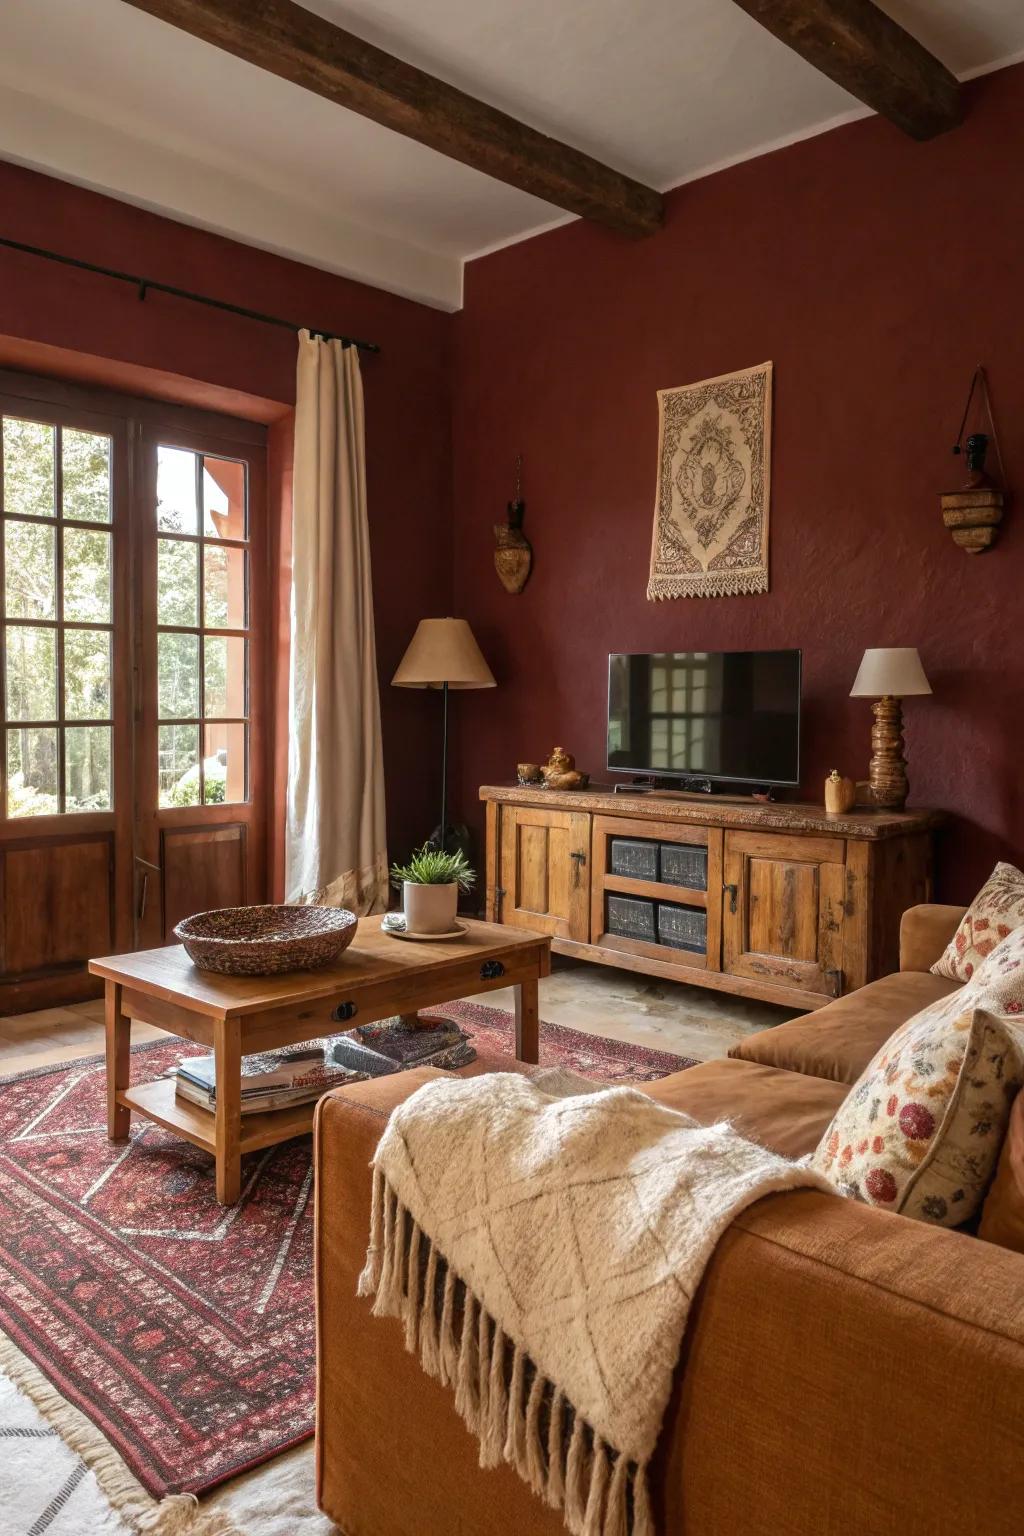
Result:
{"points": [[62, 1478], [47, 1488]]}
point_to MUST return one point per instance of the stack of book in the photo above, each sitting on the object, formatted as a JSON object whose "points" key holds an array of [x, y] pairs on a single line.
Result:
{"points": [[271, 1080], [391, 1045]]}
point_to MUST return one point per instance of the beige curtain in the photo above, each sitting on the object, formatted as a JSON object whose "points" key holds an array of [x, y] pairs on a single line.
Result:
{"points": [[335, 848]]}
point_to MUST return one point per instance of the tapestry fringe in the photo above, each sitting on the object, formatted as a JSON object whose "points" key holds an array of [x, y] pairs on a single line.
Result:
{"points": [[714, 584], [177, 1515], [517, 1415]]}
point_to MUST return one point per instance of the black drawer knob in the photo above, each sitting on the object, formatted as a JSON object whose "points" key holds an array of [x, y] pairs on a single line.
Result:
{"points": [[344, 1012], [490, 969]]}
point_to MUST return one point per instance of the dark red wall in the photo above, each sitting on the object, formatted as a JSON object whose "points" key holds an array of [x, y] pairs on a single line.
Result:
{"points": [[875, 273], [407, 395]]}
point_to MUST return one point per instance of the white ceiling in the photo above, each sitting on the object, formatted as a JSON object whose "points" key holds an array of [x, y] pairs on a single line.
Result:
{"points": [[100, 94]]}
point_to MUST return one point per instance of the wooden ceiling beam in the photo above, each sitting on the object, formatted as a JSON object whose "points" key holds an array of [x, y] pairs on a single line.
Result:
{"points": [[281, 37], [870, 55]]}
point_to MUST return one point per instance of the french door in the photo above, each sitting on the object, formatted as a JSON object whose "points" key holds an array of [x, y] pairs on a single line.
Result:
{"points": [[132, 783]]}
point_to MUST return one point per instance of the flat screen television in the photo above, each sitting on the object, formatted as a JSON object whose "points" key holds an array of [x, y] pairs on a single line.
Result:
{"points": [[713, 715]]}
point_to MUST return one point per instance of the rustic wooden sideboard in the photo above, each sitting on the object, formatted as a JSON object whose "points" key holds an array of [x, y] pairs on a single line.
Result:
{"points": [[787, 903]]}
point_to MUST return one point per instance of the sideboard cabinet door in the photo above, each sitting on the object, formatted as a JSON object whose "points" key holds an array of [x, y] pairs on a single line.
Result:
{"points": [[545, 871], [783, 909]]}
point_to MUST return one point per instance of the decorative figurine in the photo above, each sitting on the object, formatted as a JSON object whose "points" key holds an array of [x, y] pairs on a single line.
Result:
{"points": [[559, 772], [513, 557], [840, 794]]}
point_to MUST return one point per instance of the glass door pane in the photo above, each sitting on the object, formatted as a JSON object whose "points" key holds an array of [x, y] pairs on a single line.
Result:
{"points": [[58, 620], [202, 521]]}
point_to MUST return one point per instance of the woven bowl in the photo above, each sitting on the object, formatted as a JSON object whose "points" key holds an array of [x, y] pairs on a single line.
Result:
{"points": [[261, 941]]}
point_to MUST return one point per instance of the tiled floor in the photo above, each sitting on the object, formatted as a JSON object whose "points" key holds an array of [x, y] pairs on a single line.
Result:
{"points": [[689, 1021]]}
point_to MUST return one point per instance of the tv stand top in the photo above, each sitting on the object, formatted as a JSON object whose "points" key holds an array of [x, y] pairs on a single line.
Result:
{"points": [[697, 790], [716, 810]]}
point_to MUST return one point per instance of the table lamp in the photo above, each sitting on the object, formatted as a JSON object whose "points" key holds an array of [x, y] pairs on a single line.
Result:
{"points": [[888, 675], [443, 654]]}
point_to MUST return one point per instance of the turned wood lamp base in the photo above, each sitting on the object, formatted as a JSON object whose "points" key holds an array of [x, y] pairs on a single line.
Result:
{"points": [[888, 675], [887, 773]]}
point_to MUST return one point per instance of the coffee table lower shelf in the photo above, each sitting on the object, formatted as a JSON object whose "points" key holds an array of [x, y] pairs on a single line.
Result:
{"points": [[158, 1101]]}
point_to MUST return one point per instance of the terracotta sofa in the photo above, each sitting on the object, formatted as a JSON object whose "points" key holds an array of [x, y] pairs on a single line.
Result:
{"points": [[846, 1371]]}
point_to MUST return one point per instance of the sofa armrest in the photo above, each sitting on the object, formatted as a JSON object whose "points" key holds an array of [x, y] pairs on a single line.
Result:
{"points": [[924, 933], [874, 1365]]}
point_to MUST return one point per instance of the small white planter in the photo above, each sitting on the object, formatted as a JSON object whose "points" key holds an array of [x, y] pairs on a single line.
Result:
{"points": [[429, 908]]}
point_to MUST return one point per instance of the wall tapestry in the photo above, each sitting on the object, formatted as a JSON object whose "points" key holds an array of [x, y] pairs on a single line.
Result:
{"points": [[714, 478]]}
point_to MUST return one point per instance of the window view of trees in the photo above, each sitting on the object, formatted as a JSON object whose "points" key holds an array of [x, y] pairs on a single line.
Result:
{"points": [[201, 587], [57, 618], [58, 622]]}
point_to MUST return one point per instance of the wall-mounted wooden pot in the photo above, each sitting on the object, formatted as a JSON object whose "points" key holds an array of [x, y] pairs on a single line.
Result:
{"points": [[973, 513]]}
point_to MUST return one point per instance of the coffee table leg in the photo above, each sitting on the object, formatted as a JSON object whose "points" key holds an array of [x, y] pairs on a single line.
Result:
{"points": [[527, 1046], [227, 1053], [119, 1044]]}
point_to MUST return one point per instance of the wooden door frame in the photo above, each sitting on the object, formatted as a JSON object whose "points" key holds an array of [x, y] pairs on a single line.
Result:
{"points": [[125, 418], [605, 828], [152, 819], [827, 857], [577, 925]]}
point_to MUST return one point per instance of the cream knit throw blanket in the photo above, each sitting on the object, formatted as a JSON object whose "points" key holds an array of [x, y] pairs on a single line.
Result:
{"points": [[542, 1253]]}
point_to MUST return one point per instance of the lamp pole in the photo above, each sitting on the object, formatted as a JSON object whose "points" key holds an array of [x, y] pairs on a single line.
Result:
{"points": [[444, 767], [443, 654]]}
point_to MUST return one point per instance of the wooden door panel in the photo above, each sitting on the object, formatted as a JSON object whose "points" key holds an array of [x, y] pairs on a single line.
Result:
{"points": [[831, 921], [65, 708], [57, 904], [531, 868], [203, 868], [545, 876], [783, 910], [562, 875]]}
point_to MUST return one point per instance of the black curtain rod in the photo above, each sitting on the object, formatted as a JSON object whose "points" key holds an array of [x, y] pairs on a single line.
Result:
{"points": [[143, 284]]}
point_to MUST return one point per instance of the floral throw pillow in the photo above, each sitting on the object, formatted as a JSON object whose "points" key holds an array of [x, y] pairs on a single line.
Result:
{"points": [[998, 982], [921, 1131], [996, 911]]}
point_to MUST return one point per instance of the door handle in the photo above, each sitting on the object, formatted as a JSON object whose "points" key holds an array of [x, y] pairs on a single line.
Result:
{"points": [[147, 867], [579, 858], [733, 891]]}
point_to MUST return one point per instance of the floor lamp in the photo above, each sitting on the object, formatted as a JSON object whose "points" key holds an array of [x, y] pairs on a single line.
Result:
{"points": [[443, 654]]}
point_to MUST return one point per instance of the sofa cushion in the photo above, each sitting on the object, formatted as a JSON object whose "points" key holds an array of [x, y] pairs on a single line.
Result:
{"points": [[839, 1040], [922, 1130], [784, 1111], [998, 981], [1002, 1215], [994, 913]]}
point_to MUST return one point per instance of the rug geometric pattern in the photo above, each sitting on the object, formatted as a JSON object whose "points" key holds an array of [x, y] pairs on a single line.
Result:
{"points": [[182, 1328]]}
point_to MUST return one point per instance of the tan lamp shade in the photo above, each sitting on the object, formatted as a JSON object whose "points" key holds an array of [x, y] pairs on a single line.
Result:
{"points": [[890, 672], [443, 651]]}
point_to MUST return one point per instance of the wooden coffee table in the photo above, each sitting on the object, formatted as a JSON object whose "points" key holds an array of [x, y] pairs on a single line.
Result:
{"points": [[376, 977]]}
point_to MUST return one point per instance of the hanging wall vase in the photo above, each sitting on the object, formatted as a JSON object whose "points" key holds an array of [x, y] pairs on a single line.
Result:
{"points": [[973, 512], [513, 555]]}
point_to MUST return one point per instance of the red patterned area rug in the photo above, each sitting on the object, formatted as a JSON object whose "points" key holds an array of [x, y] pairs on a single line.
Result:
{"points": [[183, 1329]]}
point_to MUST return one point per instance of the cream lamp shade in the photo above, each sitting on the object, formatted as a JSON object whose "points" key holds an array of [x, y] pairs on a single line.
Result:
{"points": [[443, 651], [893, 672]]}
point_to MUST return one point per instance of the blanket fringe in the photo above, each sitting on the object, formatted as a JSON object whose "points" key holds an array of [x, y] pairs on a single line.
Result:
{"points": [[517, 1415]]}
